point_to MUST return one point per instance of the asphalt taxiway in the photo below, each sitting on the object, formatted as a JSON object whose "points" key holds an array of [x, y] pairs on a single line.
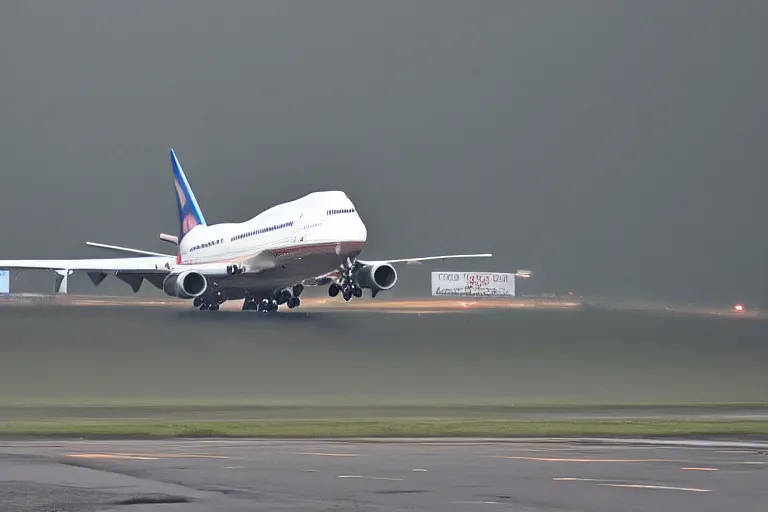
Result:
{"points": [[230, 475]]}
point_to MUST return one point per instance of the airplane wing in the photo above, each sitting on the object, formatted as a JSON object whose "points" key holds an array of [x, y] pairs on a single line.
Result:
{"points": [[324, 279], [132, 271], [418, 261], [136, 265]]}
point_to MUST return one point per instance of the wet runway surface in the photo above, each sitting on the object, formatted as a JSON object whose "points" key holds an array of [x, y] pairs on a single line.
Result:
{"points": [[234, 475], [175, 356], [494, 359]]}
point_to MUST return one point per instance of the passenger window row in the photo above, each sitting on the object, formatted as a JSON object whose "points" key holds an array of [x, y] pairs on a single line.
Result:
{"points": [[262, 230], [207, 244], [336, 212]]}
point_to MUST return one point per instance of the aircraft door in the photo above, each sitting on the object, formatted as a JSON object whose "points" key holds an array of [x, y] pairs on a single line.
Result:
{"points": [[297, 225]]}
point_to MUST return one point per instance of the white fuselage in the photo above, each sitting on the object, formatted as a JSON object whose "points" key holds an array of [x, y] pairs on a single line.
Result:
{"points": [[308, 237]]}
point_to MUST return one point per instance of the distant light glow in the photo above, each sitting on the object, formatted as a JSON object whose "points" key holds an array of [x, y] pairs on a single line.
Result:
{"points": [[738, 307]]}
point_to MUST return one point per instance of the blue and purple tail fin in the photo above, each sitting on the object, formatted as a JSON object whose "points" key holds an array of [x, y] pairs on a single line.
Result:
{"points": [[190, 214]]}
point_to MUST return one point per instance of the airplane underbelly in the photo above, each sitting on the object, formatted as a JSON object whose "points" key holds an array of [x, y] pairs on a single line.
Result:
{"points": [[295, 265]]}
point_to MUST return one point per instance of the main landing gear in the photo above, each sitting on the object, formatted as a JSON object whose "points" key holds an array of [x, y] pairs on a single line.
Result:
{"points": [[210, 301], [269, 305], [346, 285], [347, 291], [287, 296]]}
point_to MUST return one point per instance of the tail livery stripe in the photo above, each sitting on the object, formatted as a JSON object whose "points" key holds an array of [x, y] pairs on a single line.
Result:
{"points": [[190, 214]]}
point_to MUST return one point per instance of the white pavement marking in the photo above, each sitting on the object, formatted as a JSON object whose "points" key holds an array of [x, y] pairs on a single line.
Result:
{"points": [[370, 477], [663, 487], [575, 479], [327, 454], [554, 459], [111, 456]]}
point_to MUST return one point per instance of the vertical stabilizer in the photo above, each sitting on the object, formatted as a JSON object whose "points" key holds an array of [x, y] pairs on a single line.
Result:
{"points": [[190, 214]]}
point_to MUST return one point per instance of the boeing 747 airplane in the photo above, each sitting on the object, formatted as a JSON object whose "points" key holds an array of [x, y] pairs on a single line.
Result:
{"points": [[268, 260]]}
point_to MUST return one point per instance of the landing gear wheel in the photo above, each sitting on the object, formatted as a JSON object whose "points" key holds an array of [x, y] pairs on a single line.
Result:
{"points": [[214, 306], [347, 294], [357, 291], [294, 302], [197, 302], [333, 290]]}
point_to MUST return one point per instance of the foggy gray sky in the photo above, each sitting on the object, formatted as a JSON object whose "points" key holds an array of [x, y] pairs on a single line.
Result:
{"points": [[611, 147]]}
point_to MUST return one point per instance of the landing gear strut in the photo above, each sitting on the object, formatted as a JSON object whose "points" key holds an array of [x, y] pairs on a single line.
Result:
{"points": [[263, 305], [210, 301], [347, 291], [346, 284], [287, 296], [250, 303], [268, 305], [234, 269]]}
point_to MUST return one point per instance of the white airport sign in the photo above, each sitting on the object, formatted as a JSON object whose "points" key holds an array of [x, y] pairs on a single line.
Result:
{"points": [[473, 284]]}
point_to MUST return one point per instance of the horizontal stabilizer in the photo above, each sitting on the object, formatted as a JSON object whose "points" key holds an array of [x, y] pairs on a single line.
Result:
{"points": [[169, 238]]}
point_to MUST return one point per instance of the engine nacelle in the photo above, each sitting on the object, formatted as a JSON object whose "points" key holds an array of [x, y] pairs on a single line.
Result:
{"points": [[381, 276], [185, 285]]}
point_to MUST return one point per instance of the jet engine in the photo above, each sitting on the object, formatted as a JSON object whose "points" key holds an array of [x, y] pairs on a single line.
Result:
{"points": [[185, 285], [378, 277]]}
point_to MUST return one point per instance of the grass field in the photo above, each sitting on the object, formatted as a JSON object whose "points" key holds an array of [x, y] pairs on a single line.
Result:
{"points": [[386, 428]]}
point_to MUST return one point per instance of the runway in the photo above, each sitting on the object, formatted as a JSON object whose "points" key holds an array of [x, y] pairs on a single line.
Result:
{"points": [[502, 358], [171, 362], [236, 475], [308, 304]]}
